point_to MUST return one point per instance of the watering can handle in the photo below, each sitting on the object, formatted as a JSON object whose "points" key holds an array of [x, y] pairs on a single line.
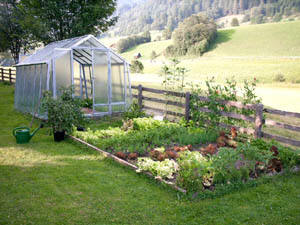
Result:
{"points": [[18, 128]]}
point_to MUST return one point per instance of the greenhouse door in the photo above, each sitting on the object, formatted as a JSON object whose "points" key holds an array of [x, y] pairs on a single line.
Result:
{"points": [[101, 85]]}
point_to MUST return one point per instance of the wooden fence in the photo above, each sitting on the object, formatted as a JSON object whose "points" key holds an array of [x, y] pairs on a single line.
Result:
{"points": [[8, 74], [257, 120]]}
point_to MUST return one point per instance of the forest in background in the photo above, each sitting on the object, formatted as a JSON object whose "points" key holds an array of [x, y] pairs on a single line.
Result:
{"points": [[145, 15]]}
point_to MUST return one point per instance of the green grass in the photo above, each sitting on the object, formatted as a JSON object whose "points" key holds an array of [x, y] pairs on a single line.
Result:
{"points": [[262, 51], [270, 39], [63, 183]]}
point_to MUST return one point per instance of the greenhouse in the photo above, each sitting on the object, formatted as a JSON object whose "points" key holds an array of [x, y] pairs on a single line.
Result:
{"points": [[96, 73]]}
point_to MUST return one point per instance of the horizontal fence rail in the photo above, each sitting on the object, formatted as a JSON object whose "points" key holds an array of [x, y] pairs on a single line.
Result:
{"points": [[258, 120], [7, 75]]}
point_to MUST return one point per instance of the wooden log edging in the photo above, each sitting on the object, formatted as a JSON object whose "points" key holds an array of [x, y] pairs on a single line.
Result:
{"points": [[127, 164]]}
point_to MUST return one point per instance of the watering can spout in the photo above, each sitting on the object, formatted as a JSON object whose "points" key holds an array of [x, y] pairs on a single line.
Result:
{"points": [[36, 130]]}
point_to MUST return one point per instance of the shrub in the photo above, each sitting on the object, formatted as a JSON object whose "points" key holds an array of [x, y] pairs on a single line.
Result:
{"points": [[64, 111], [196, 30], [126, 43], [136, 66], [134, 111], [235, 22], [279, 78], [153, 55]]}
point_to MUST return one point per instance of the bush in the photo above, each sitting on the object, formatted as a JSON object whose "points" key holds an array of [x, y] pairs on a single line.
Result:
{"points": [[235, 22], [64, 111], [279, 78], [136, 66], [126, 43], [134, 111], [193, 35]]}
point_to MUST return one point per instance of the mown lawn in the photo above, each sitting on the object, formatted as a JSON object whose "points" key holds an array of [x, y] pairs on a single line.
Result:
{"points": [[63, 183]]}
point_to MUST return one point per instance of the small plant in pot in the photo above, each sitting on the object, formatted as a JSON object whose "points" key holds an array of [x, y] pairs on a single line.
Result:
{"points": [[63, 112]]}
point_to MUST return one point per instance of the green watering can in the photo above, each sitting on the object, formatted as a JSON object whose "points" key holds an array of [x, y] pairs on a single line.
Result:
{"points": [[23, 134]]}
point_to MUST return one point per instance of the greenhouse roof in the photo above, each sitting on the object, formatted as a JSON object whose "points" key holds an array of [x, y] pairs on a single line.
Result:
{"points": [[55, 49]]}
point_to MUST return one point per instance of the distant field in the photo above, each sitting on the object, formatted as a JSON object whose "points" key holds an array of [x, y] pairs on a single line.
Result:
{"points": [[261, 51]]}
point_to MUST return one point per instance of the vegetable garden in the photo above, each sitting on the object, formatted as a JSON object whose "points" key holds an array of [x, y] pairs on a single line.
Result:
{"points": [[190, 158]]}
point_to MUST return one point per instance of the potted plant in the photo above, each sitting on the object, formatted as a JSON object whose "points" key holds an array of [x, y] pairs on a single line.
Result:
{"points": [[63, 112]]}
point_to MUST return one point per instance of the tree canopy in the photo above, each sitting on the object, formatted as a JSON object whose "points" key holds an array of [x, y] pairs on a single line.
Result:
{"points": [[193, 36], [13, 36], [167, 14], [57, 20]]}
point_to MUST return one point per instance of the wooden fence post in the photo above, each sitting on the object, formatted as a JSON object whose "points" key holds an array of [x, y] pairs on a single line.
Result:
{"points": [[187, 105], [258, 120], [10, 75], [2, 74], [140, 96]]}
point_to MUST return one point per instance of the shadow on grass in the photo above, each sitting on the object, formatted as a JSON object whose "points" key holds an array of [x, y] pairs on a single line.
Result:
{"points": [[222, 37]]}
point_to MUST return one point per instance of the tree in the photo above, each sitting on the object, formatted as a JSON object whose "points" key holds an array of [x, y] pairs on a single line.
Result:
{"points": [[136, 66], [235, 22], [194, 35], [13, 36], [60, 20], [153, 55]]}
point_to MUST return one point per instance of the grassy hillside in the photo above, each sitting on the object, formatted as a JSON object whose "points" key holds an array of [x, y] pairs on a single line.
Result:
{"points": [[264, 40], [262, 51]]}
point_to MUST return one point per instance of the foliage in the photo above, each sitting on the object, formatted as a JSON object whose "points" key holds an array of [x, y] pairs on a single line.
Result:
{"points": [[194, 170], [279, 78], [145, 134], [235, 22], [166, 14], [173, 80], [64, 111], [127, 43], [216, 94], [234, 165], [164, 169], [13, 36], [286, 155], [134, 111], [193, 36], [153, 55], [59, 20], [167, 34], [87, 103], [136, 66]]}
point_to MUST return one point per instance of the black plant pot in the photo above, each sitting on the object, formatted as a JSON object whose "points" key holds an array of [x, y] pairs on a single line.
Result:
{"points": [[80, 129], [59, 136]]}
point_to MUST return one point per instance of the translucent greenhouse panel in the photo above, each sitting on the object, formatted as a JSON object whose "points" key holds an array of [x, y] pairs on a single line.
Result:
{"points": [[44, 71], [128, 84], [37, 88], [117, 85], [87, 82], [63, 70], [118, 108], [100, 71], [19, 87], [26, 89], [77, 87]]}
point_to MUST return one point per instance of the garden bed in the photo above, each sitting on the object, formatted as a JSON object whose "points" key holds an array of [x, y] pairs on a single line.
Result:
{"points": [[188, 158]]}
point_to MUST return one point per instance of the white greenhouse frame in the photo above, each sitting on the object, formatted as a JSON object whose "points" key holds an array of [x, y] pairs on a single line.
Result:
{"points": [[65, 63]]}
